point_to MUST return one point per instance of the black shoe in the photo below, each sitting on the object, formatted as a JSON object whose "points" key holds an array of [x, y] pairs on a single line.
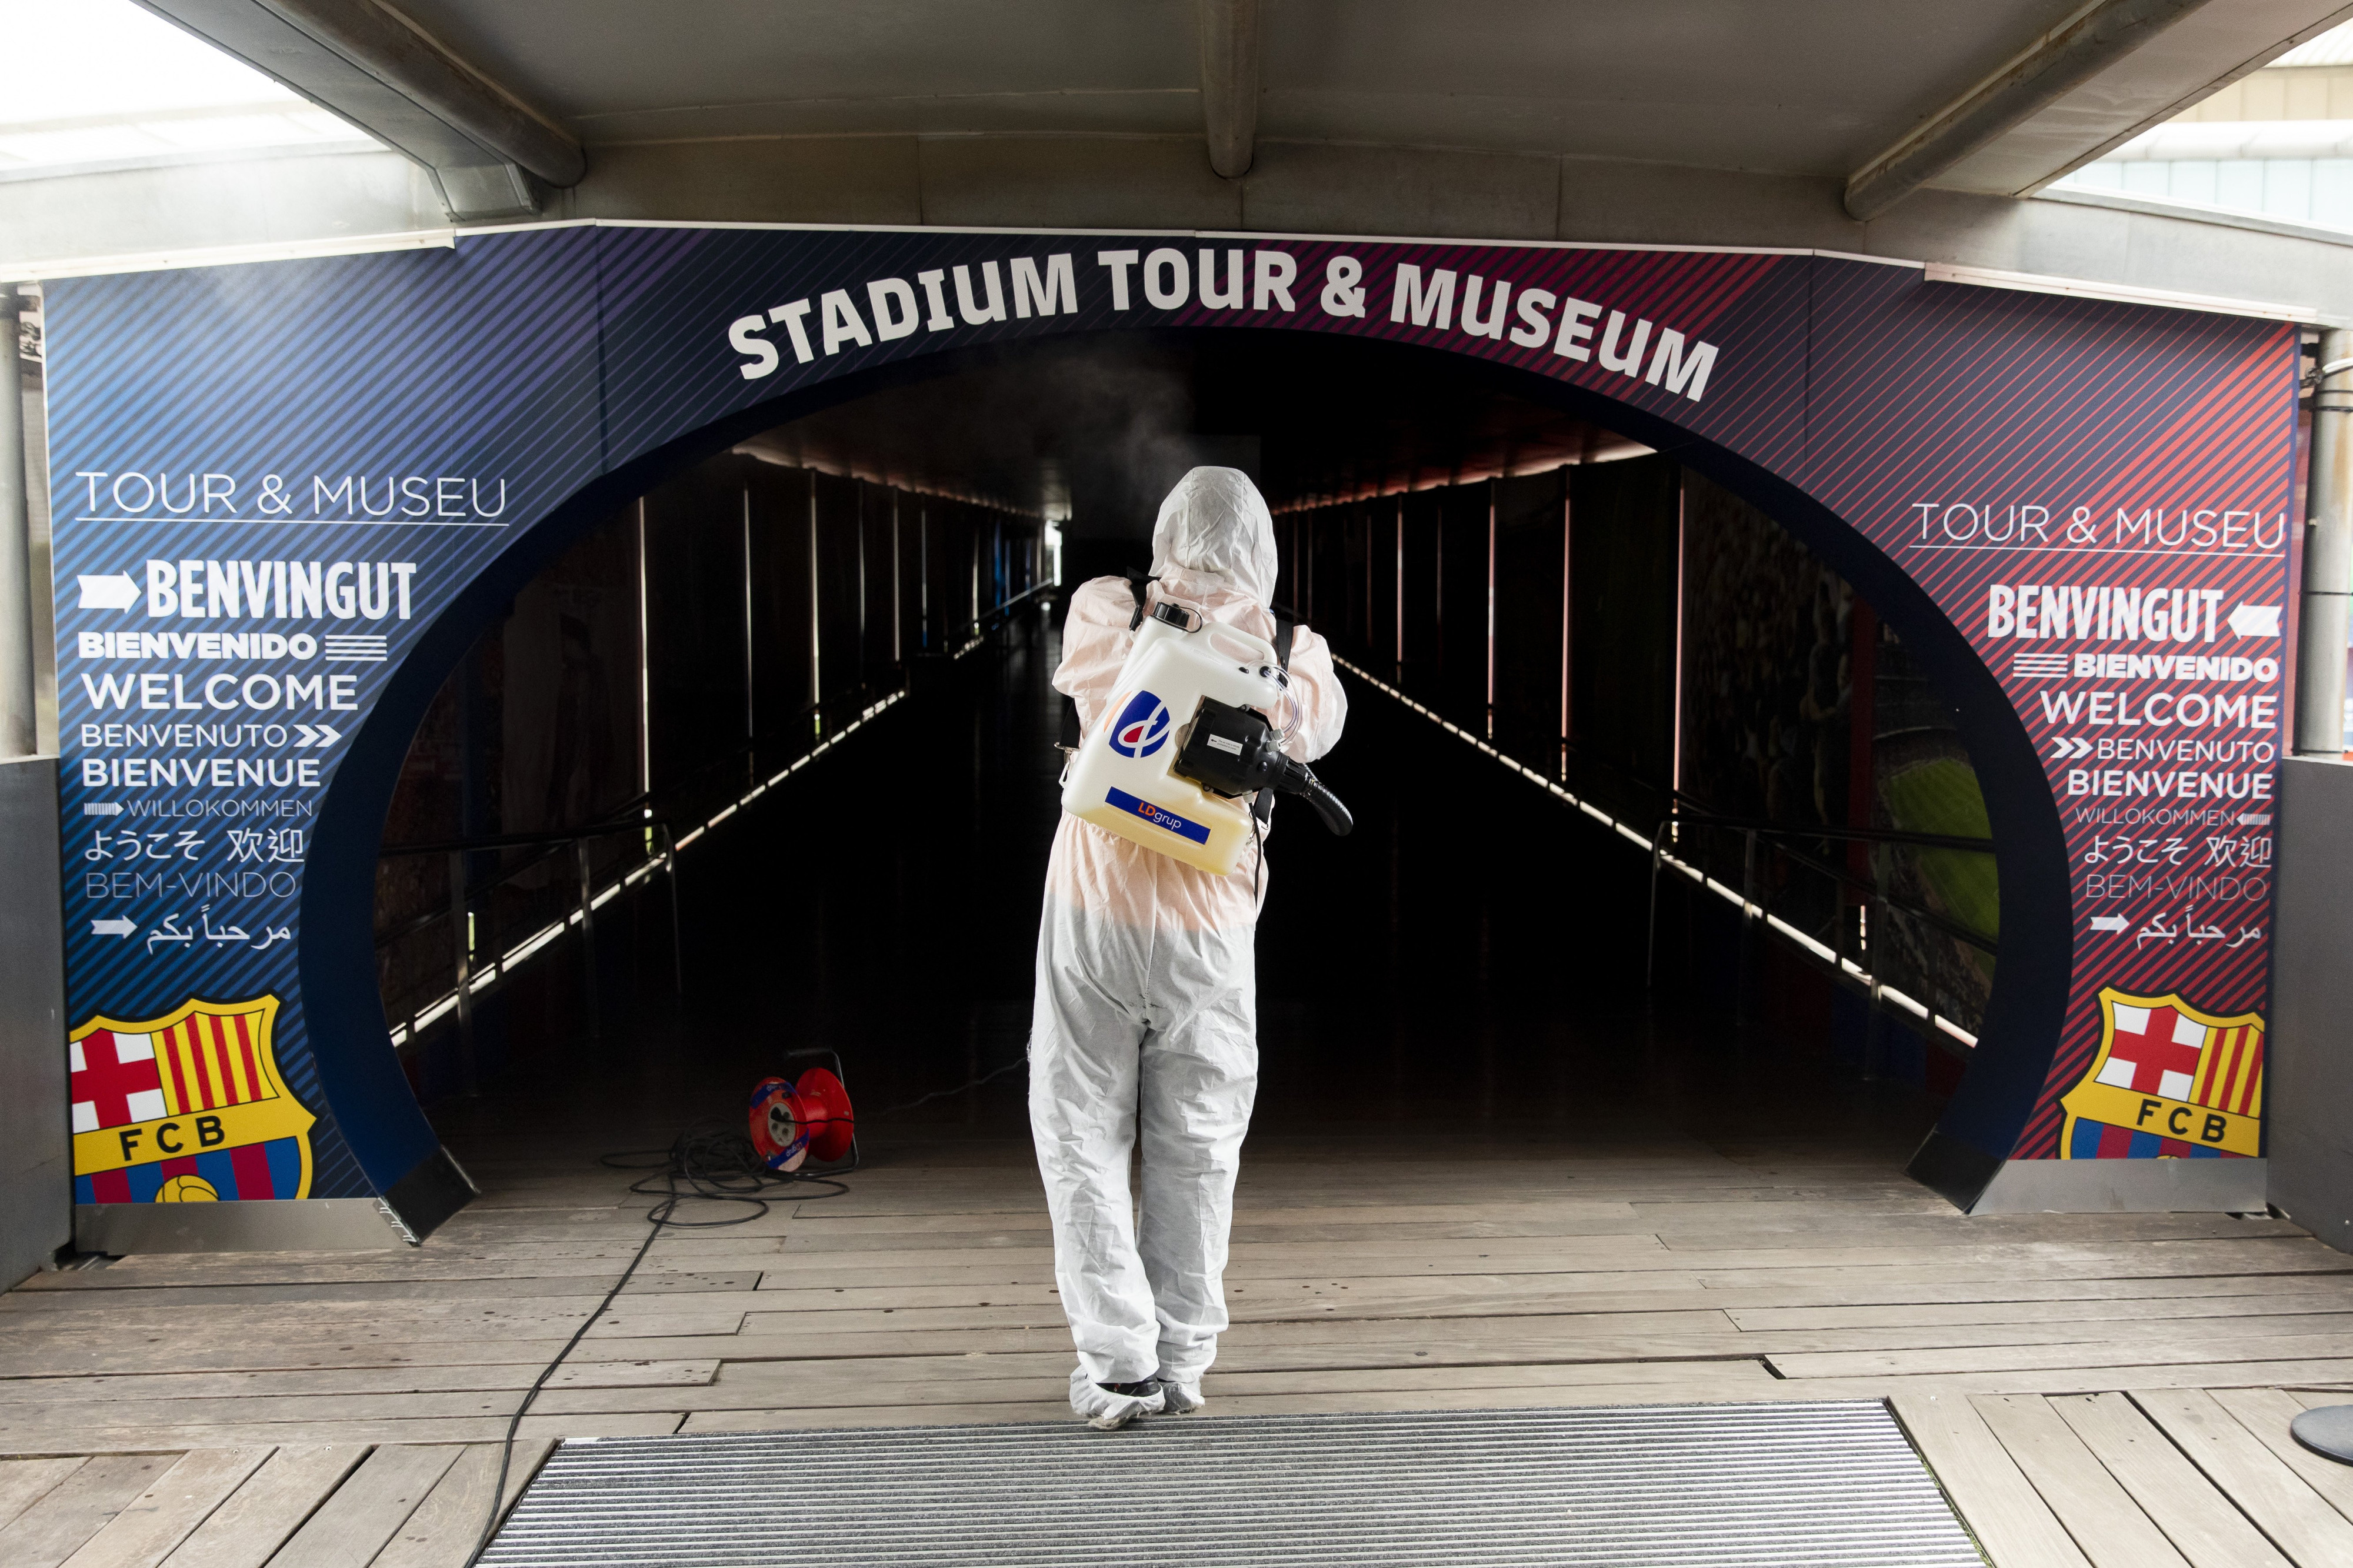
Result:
{"points": [[1144, 1390]]}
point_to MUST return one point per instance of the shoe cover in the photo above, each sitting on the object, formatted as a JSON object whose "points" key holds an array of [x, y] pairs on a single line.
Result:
{"points": [[1181, 1398], [1105, 1411]]}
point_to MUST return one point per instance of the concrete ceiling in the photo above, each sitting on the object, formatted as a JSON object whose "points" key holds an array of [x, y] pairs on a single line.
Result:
{"points": [[1813, 88], [1996, 97]]}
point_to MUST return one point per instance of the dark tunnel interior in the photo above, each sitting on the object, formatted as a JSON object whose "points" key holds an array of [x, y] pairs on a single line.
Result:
{"points": [[786, 721]]}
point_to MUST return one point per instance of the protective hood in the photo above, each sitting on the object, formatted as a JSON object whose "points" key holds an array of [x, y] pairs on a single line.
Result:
{"points": [[1216, 524]]}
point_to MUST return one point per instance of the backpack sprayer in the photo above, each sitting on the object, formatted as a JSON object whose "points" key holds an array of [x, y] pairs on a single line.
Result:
{"points": [[1185, 761]]}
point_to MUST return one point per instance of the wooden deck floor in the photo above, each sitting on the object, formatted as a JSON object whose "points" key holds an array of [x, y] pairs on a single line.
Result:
{"points": [[2102, 1390]]}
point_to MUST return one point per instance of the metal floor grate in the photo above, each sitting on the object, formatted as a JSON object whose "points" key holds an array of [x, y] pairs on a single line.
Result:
{"points": [[1775, 1486]]}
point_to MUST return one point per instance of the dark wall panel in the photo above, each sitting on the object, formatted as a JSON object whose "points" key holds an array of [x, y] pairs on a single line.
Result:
{"points": [[1622, 654], [783, 603], [878, 570], [1384, 541], [1327, 563], [1463, 536], [1419, 586], [840, 604], [1530, 545], [694, 621]]}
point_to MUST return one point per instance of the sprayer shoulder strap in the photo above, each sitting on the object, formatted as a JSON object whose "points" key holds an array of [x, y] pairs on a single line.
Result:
{"points": [[1138, 587], [1285, 629]]}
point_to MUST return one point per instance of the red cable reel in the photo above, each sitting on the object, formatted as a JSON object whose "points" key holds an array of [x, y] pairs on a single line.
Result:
{"points": [[795, 1120]]}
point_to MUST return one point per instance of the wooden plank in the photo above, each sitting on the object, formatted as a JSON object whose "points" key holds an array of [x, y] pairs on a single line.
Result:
{"points": [[371, 1429], [2013, 1525], [1799, 1225], [24, 1482], [2154, 1350], [38, 1394], [2266, 1413], [1858, 1291], [18, 1420], [1635, 1252], [1329, 1342], [2108, 1525], [441, 1533], [2087, 1380], [247, 1529], [601, 1261], [2198, 1520], [625, 1321], [2258, 1300], [133, 1358], [1023, 1379], [816, 1225], [148, 1526], [1289, 1227], [1311, 1403], [2297, 1518], [352, 1526], [78, 1508], [513, 1311], [563, 1294]]}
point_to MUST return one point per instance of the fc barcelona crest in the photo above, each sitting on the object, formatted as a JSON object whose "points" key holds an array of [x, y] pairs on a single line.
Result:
{"points": [[187, 1108], [2169, 1080]]}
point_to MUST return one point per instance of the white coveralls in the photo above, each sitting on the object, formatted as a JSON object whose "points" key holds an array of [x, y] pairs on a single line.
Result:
{"points": [[1146, 1018]]}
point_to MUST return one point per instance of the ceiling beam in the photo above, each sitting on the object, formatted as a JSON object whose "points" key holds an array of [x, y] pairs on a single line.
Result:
{"points": [[1230, 40], [370, 65], [2052, 66]]}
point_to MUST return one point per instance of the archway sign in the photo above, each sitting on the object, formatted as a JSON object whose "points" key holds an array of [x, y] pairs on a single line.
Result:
{"points": [[288, 494]]}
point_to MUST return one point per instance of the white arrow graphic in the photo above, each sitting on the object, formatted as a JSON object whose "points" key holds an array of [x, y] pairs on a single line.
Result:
{"points": [[115, 593], [2064, 747], [113, 928], [329, 734], [102, 808], [2108, 922], [304, 735], [2256, 620]]}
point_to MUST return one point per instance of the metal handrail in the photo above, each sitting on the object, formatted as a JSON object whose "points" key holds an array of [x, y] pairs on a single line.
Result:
{"points": [[465, 894], [1754, 910], [1768, 827]]}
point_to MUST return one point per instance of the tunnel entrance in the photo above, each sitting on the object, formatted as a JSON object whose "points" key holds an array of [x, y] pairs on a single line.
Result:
{"points": [[801, 688], [592, 365]]}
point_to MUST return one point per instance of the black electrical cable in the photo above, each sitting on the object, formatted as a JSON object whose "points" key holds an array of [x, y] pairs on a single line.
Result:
{"points": [[716, 1166], [944, 1093]]}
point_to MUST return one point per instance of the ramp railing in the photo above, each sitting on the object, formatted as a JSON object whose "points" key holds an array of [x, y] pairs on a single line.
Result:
{"points": [[1858, 949], [480, 958]]}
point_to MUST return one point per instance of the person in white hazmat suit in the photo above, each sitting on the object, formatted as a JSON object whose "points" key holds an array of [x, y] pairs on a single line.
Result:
{"points": [[1146, 1023]]}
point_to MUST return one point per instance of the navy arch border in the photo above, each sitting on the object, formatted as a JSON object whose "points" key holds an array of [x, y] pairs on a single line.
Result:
{"points": [[565, 369]]}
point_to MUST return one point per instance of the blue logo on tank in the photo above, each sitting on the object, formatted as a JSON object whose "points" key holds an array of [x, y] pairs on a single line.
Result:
{"points": [[1143, 726], [1159, 816]]}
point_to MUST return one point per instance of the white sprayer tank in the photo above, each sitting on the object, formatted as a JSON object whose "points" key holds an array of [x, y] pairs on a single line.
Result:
{"points": [[1120, 778]]}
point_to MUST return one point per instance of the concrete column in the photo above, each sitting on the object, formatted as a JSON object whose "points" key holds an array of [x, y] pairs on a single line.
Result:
{"points": [[1229, 83], [19, 732], [36, 1150], [2308, 1071], [2328, 557]]}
